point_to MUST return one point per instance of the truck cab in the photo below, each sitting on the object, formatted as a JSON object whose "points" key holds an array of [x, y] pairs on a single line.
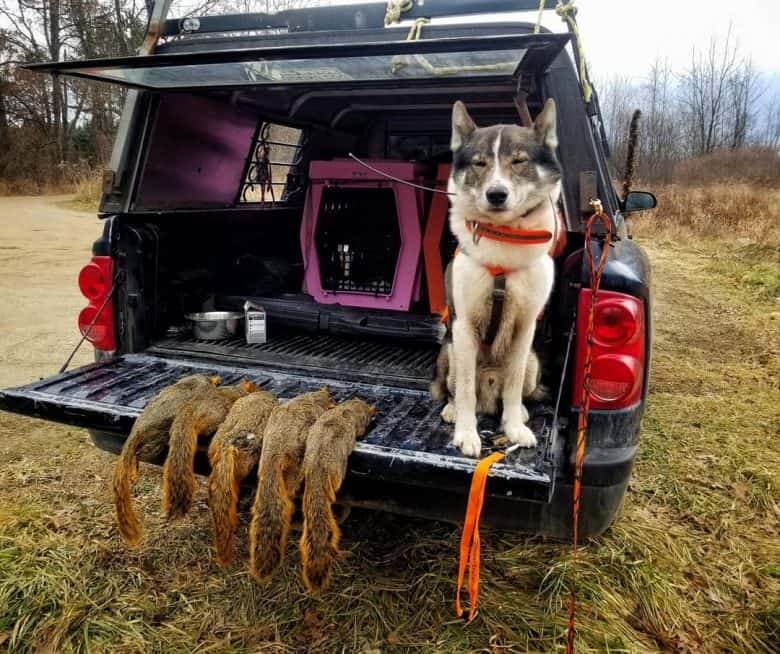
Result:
{"points": [[232, 182]]}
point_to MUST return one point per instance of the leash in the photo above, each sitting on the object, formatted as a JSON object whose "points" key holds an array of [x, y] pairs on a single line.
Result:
{"points": [[582, 420], [470, 540], [395, 179]]}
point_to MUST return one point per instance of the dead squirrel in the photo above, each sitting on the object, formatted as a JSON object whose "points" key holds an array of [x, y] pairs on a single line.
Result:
{"points": [[279, 476], [148, 440], [233, 453], [200, 417], [330, 442]]}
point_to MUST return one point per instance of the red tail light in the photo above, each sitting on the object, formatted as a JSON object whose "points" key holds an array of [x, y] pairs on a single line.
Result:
{"points": [[618, 350], [95, 284]]}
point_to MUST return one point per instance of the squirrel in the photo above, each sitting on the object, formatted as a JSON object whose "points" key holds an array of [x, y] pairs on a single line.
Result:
{"points": [[148, 440], [279, 476], [233, 453], [199, 417], [328, 446]]}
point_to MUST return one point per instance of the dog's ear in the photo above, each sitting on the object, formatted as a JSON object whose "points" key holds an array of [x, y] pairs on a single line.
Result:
{"points": [[544, 125], [462, 125]]}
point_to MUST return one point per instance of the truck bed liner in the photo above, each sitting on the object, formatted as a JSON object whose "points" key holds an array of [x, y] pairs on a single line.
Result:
{"points": [[396, 363], [407, 444]]}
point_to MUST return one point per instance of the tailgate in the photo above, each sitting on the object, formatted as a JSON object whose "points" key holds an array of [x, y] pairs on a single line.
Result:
{"points": [[407, 444]]}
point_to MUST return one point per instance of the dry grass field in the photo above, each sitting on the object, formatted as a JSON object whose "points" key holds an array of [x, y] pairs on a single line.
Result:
{"points": [[691, 565]]}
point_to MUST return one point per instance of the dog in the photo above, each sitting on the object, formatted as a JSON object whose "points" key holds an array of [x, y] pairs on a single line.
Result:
{"points": [[504, 187]]}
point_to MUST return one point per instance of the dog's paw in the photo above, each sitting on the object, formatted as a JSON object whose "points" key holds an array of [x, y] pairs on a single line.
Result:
{"points": [[448, 413], [467, 439], [520, 434]]}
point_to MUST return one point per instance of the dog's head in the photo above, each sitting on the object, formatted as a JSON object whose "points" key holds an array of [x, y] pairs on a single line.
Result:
{"points": [[500, 173]]}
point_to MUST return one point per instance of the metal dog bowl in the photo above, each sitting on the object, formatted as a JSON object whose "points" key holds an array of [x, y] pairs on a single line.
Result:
{"points": [[215, 325]]}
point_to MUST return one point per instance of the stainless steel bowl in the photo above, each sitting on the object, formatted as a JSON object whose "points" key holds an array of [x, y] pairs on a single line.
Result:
{"points": [[215, 325]]}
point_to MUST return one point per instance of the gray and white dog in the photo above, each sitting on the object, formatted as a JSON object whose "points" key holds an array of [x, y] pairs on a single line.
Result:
{"points": [[505, 180]]}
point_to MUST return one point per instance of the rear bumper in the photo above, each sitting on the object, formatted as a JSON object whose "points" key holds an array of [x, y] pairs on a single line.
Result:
{"points": [[600, 502]]}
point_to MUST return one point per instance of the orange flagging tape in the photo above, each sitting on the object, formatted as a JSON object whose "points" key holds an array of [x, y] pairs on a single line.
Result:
{"points": [[469, 541]]}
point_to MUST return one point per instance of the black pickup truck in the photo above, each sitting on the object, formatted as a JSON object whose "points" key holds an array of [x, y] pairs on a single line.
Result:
{"points": [[230, 182]]}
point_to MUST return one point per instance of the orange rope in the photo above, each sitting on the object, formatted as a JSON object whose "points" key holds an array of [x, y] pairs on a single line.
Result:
{"points": [[469, 541], [582, 420]]}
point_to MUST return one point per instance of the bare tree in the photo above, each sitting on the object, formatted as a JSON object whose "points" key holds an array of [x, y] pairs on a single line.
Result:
{"points": [[744, 93], [704, 90], [769, 134]]}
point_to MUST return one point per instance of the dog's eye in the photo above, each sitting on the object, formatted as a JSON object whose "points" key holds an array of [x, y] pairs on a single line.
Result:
{"points": [[519, 161], [479, 163]]}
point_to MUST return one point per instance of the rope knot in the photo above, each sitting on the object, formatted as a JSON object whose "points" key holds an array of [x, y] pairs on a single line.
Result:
{"points": [[394, 10], [563, 9]]}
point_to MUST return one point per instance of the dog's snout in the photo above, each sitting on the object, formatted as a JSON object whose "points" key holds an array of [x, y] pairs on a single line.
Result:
{"points": [[497, 195]]}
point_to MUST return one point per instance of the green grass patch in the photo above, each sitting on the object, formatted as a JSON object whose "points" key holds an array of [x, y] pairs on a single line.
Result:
{"points": [[692, 563]]}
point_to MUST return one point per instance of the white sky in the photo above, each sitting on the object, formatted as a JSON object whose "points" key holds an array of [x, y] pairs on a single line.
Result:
{"points": [[623, 37]]}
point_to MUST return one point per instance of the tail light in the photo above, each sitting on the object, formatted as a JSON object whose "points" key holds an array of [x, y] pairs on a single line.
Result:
{"points": [[95, 281], [618, 350]]}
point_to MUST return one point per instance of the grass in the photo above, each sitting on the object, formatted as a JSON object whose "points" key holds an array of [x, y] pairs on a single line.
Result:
{"points": [[692, 563], [86, 193], [728, 210]]}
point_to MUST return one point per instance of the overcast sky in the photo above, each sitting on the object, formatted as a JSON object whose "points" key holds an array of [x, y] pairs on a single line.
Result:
{"points": [[624, 37]]}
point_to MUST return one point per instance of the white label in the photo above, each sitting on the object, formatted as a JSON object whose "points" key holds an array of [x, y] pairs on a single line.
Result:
{"points": [[255, 327]]}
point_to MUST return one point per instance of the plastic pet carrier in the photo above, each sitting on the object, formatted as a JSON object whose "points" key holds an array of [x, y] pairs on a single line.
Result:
{"points": [[360, 235]]}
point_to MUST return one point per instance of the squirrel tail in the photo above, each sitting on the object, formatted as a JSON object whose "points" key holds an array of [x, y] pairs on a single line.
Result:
{"points": [[321, 535], [179, 470], [223, 502], [271, 517], [125, 476]]}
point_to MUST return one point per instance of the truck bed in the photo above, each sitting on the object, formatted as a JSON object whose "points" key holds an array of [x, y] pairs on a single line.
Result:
{"points": [[407, 443]]}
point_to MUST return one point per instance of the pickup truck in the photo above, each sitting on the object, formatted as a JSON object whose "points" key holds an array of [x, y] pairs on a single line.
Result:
{"points": [[230, 181]]}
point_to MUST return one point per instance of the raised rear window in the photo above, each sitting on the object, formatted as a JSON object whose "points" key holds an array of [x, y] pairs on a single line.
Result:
{"points": [[501, 56]]}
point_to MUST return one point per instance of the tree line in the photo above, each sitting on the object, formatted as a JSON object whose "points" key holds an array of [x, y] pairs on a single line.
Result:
{"points": [[56, 129], [716, 103]]}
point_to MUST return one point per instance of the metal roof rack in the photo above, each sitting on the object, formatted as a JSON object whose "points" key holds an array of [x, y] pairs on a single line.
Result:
{"points": [[344, 17]]}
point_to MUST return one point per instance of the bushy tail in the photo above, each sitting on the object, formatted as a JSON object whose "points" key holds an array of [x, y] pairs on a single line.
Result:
{"points": [[179, 471], [125, 476], [320, 540], [271, 517], [438, 387], [223, 502]]}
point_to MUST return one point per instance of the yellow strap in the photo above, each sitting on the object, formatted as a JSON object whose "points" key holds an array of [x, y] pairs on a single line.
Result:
{"points": [[568, 11], [538, 26], [415, 34]]}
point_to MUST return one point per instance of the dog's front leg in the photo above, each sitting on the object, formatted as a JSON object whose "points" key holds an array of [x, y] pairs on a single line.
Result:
{"points": [[515, 414], [465, 348]]}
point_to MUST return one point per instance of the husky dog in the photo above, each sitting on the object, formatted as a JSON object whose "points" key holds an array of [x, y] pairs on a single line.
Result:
{"points": [[505, 184]]}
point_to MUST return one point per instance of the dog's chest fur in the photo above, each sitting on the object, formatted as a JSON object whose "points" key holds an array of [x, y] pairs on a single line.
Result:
{"points": [[527, 290]]}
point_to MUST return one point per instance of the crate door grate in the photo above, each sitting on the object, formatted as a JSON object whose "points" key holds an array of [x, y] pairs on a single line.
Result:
{"points": [[358, 240]]}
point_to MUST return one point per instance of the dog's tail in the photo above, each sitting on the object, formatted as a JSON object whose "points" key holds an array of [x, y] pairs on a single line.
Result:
{"points": [[125, 476], [271, 517], [179, 481], [320, 539], [223, 502]]}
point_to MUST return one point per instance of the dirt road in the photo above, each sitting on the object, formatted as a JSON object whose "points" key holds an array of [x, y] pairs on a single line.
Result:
{"points": [[690, 565], [42, 248]]}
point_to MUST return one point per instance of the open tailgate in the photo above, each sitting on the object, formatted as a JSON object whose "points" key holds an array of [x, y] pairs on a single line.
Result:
{"points": [[407, 444]]}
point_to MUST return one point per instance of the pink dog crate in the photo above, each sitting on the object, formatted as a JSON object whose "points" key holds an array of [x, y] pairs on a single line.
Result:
{"points": [[360, 235]]}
